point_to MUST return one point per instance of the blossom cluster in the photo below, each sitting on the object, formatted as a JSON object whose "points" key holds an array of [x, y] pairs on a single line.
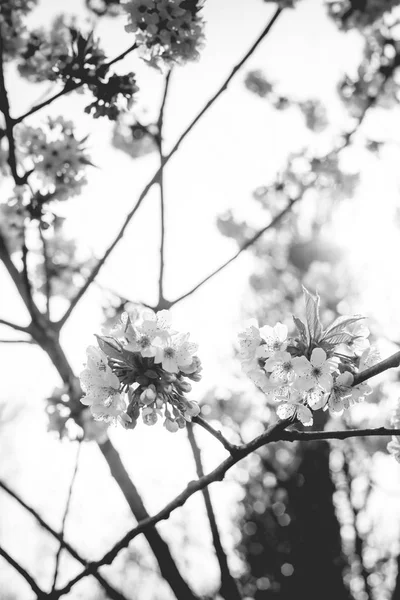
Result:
{"points": [[62, 52], [313, 369], [65, 54], [58, 157], [141, 369], [12, 25], [166, 30]]}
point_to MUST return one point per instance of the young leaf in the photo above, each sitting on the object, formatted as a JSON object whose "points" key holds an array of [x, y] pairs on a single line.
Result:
{"points": [[312, 315], [340, 338], [111, 349], [339, 325], [301, 328]]}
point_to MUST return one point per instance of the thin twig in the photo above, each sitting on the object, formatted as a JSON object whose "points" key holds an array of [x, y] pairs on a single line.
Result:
{"points": [[155, 177], [69, 87], [64, 519], [228, 589], [216, 433], [17, 342], [114, 594], [242, 248], [28, 578], [159, 140], [13, 325]]}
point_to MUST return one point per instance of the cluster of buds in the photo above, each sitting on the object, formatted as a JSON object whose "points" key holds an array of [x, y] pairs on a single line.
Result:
{"points": [[314, 369], [169, 31], [57, 156], [141, 369]]}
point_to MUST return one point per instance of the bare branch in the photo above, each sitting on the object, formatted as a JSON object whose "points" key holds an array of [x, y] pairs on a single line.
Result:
{"points": [[229, 589], [64, 519], [69, 87], [274, 433], [26, 280], [9, 131], [159, 140], [46, 269], [114, 594], [155, 177], [28, 578], [242, 248], [18, 341], [217, 434], [308, 436], [14, 326], [388, 363]]}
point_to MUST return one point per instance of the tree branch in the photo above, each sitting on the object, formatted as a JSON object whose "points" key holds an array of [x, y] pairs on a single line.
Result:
{"points": [[46, 269], [159, 141], [242, 248], [28, 578], [274, 433], [64, 519], [388, 363], [14, 326], [155, 177], [5, 109], [69, 87], [228, 589], [114, 594], [232, 448]]}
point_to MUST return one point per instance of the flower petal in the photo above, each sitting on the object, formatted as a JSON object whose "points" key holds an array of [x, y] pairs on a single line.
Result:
{"points": [[318, 357]]}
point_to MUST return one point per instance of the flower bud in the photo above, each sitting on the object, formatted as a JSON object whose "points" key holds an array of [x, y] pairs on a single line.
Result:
{"points": [[193, 409], [149, 395], [149, 416], [185, 386], [181, 422], [171, 426]]}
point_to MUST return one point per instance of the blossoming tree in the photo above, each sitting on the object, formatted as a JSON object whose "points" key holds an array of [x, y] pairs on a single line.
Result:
{"points": [[142, 369]]}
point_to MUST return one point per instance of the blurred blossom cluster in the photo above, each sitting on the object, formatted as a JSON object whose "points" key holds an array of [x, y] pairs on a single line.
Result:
{"points": [[58, 157], [353, 13], [312, 370], [65, 54], [141, 368], [132, 137], [378, 76], [313, 111], [169, 31], [12, 25]]}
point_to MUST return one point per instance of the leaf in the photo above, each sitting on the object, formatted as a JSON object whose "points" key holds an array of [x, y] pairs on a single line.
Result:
{"points": [[301, 328], [312, 315], [340, 338], [112, 351], [340, 324]]}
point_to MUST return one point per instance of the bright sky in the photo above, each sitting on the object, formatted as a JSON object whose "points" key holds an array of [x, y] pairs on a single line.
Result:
{"points": [[240, 144]]}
